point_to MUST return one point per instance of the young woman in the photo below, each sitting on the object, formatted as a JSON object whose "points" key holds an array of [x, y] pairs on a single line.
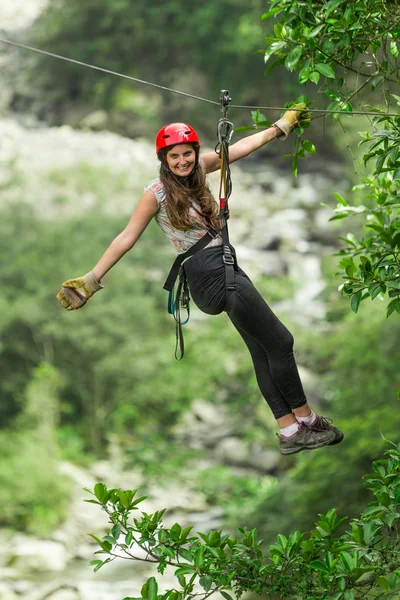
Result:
{"points": [[182, 204]]}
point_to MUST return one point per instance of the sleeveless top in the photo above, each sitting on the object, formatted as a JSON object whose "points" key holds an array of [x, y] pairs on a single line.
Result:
{"points": [[182, 240]]}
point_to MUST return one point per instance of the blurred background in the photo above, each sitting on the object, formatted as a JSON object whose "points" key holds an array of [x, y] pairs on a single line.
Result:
{"points": [[96, 395]]}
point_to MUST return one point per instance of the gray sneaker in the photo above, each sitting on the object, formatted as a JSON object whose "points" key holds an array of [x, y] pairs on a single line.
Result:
{"points": [[324, 424], [305, 439]]}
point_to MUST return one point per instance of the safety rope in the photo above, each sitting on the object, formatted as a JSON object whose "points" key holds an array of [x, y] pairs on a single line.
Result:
{"points": [[167, 89], [225, 131]]}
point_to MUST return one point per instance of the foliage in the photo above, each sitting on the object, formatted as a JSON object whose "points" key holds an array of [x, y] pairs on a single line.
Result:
{"points": [[363, 562], [161, 42], [29, 455], [334, 45], [301, 147]]}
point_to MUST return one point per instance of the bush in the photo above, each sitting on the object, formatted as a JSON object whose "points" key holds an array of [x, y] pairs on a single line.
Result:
{"points": [[320, 565]]}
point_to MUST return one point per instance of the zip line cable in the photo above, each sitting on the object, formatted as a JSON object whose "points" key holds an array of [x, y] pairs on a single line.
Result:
{"points": [[167, 89]]}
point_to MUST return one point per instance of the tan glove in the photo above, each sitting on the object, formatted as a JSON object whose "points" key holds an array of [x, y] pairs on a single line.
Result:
{"points": [[76, 292], [293, 118]]}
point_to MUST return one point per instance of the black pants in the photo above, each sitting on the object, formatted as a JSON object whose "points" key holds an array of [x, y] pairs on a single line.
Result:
{"points": [[269, 342]]}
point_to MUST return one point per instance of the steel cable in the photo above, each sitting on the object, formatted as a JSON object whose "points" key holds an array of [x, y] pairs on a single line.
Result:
{"points": [[167, 89]]}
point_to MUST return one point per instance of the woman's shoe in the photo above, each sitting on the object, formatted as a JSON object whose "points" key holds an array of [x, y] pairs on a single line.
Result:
{"points": [[324, 424], [306, 438]]}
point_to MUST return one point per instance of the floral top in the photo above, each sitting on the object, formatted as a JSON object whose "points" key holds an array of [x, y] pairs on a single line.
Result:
{"points": [[182, 240]]}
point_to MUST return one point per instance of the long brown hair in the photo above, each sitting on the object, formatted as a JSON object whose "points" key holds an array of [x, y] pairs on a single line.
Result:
{"points": [[179, 191]]}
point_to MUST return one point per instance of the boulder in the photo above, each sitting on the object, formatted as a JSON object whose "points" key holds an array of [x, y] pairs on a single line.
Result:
{"points": [[6, 593], [30, 555], [235, 452]]}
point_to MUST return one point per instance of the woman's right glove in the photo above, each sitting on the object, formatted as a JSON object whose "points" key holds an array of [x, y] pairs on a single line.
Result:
{"points": [[76, 292], [294, 118]]}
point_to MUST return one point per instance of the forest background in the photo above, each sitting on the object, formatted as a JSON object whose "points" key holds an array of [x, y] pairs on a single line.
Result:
{"points": [[67, 384]]}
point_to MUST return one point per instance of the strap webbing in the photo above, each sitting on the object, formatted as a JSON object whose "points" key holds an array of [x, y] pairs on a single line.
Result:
{"points": [[225, 188], [202, 243]]}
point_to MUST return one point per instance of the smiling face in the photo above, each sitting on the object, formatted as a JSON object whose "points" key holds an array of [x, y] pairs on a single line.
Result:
{"points": [[181, 159]]}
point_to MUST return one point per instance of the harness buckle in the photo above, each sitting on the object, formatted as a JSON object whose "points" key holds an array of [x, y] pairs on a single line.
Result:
{"points": [[228, 256]]}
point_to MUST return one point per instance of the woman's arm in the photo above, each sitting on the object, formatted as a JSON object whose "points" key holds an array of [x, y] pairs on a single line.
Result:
{"points": [[141, 217], [292, 118], [242, 148]]}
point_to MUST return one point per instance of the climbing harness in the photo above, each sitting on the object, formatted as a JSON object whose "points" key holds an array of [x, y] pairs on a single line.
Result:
{"points": [[180, 298]]}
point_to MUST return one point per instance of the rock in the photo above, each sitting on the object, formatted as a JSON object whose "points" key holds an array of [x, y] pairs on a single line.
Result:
{"points": [[54, 591], [260, 262], [96, 120], [18, 15], [208, 413], [68, 593], [28, 555], [205, 424], [6, 593], [233, 451], [289, 226]]}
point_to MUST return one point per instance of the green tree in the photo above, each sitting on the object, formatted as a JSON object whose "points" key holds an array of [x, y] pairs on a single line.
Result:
{"points": [[29, 456], [344, 48]]}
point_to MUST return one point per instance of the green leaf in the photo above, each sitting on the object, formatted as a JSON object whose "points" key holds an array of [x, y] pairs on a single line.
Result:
{"points": [[315, 76], [316, 31], [394, 48], [325, 70], [272, 49], [330, 7], [226, 595], [392, 306], [372, 510], [319, 566], [185, 570], [199, 557], [394, 154], [304, 74], [379, 163], [340, 199], [293, 58], [270, 13], [186, 554], [396, 174], [106, 546], [308, 146], [355, 301], [152, 589], [294, 165], [97, 564], [123, 498], [206, 582], [280, 31], [100, 491]]}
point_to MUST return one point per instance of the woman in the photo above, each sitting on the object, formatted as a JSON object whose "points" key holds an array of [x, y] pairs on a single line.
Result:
{"points": [[185, 209]]}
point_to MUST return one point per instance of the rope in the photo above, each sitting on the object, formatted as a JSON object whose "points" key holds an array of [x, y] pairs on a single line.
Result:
{"points": [[167, 89]]}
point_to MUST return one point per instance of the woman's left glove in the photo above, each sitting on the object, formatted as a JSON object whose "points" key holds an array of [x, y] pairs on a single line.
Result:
{"points": [[76, 292], [298, 115]]}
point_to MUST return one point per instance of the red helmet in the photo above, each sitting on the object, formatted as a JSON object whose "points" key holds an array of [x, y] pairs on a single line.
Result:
{"points": [[175, 133]]}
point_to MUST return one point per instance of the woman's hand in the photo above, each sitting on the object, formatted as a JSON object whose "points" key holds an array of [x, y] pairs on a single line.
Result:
{"points": [[298, 115], [76, 292]]}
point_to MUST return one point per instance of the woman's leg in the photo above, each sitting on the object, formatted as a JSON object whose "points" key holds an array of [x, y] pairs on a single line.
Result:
{"points": [[271, 346], [269, 390]]}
